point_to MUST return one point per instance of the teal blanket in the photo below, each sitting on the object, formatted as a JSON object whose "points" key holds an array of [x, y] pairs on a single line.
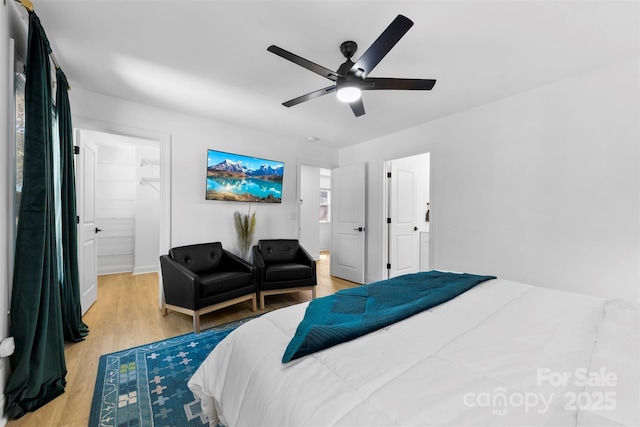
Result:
{"points": [[354, 312]]}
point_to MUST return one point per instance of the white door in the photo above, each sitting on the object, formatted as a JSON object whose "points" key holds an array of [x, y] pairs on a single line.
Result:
{"points": [[87, 228], [348, 223], [309, 234], [403, 233]]}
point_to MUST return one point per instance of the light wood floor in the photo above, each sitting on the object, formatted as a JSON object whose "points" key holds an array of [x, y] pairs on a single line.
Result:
{"points": [[125, 315]]}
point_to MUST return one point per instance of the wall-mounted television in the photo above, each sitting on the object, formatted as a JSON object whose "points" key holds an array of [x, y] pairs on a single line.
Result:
{"points": [[238, 178]]}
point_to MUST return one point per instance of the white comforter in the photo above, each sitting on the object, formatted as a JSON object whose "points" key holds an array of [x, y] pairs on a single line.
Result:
{"points": [[501, 354]]}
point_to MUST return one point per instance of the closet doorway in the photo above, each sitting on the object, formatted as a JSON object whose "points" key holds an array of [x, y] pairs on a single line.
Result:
{"points": [[127, 203], [129, 193]]}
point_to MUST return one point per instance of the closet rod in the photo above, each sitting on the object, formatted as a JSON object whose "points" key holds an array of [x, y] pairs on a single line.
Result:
{"points": [[29, 6]]}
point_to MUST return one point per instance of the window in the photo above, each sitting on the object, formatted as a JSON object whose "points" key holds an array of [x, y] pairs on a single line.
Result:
{"points": [[19, 155], [325, 201], [19, 85]]}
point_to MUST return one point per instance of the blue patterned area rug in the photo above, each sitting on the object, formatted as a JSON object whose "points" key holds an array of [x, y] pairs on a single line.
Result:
{"points": [[146, 386]]}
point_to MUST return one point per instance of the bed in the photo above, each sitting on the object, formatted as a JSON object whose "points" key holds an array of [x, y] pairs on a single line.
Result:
{"points": [[500, 354]]}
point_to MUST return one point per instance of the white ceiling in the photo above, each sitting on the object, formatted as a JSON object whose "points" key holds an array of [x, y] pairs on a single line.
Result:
{"points": [[209, 58]]}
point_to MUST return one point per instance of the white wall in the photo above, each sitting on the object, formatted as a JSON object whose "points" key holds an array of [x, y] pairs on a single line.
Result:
{"points": [[325, 236], [195, 219], [6, 196], [309, 208], [541, 187], [147, 214]]}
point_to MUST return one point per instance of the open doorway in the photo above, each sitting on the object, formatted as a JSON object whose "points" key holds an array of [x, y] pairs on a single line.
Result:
{"points": [[338, 196], [408, 211], [127, 203], [315, 210], [137, 175]]}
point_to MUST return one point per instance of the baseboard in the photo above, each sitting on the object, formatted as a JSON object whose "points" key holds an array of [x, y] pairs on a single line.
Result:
{"points": [[5, 369], [115, 269], [145, 270], [105, 273], [4, 419]]}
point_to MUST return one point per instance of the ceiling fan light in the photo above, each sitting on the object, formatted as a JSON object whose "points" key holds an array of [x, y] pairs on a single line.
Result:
{"points": [[348, 94]]}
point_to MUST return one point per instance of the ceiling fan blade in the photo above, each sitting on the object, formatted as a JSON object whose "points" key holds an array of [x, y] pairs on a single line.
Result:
{"points": [[318, 69], [383, 44], [382, 83], [309, 96], [357, 107]]}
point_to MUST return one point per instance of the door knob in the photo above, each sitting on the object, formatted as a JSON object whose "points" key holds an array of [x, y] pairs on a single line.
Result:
{"points": [[415, 228], [98, 230], [359, 229]]}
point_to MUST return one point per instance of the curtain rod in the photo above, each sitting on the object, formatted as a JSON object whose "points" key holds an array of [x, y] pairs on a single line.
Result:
{"points": [[26, 4], [29, 6]]}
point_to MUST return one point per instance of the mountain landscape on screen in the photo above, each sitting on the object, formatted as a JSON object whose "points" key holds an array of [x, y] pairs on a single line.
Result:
{"points": [[239, 178], [229, 168]]}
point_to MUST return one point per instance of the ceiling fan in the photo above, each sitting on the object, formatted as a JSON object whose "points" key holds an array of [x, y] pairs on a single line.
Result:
{"points": [[351, 78]]}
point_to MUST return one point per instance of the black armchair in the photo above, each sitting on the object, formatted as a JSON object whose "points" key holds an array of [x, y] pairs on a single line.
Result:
{"points": [[199, 279], [283, 266]]}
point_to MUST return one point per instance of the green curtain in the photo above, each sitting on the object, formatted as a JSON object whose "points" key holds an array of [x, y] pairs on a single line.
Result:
{"points": [[74, 328], [38, 365]]}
